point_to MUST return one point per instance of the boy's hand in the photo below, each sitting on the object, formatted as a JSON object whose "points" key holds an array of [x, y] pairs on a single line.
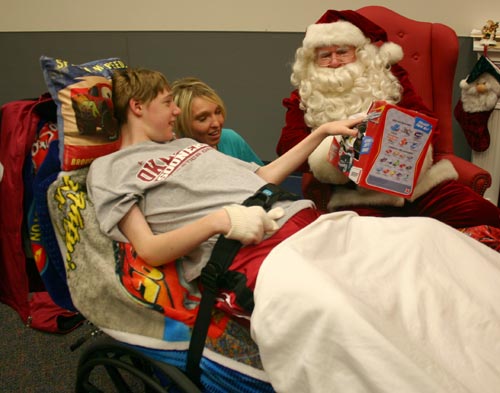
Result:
{"points": [[250, 224], [341, 127]]}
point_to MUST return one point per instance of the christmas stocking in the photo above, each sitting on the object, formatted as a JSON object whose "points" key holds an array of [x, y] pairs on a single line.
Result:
{"points": [[474, 126], [479, 95]]}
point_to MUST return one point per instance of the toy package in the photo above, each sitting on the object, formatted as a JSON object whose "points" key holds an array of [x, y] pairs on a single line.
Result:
{"points": [[389, 150]]}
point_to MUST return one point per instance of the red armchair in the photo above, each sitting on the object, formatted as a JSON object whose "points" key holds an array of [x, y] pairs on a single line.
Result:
{"points": [[430, 57]]}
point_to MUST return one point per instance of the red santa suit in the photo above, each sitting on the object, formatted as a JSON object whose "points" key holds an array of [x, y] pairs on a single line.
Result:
{"points": [[438, 195]]}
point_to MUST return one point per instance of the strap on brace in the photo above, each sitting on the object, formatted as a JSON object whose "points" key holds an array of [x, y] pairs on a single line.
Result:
{"points": [[221, 258]]}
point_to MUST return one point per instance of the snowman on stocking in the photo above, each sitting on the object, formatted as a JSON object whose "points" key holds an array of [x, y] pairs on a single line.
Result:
{"points": [[479, 94]]}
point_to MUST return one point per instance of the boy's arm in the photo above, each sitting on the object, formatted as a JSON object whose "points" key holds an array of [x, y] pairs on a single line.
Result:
{"points": [[279, 169], [166, 247], [245, 224]]}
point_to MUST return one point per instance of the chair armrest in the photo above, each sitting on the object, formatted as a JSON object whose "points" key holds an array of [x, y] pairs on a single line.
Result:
{"points": [[468, 173]]}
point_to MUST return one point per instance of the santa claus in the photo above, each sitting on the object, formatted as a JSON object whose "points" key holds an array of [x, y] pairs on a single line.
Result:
{"points": [[344, 64]]}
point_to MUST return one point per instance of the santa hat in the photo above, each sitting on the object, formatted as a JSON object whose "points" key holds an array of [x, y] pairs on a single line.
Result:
{"points": [[484, 66], [350, 28]]}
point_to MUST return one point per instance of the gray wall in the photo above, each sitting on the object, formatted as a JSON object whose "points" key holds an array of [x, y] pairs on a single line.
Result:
{"points": [[223, 15], [250, 70]]}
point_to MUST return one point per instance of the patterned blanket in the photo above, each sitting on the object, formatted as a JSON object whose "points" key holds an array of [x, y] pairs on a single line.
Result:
{"points": [[139, 304]]}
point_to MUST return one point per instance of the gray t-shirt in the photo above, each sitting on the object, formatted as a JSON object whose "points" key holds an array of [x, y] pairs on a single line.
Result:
{"points": [[173, 183]]}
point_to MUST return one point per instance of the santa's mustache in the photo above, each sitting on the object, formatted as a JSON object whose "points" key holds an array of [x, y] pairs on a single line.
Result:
{"points": [[336, 80]]}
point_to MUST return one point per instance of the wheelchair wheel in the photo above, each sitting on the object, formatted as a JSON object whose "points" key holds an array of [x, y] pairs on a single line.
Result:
{"points": [[108, 363]]}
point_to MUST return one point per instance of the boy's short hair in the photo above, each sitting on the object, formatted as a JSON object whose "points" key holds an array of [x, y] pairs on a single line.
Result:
{"points": [[138, 83], [184, 91]]}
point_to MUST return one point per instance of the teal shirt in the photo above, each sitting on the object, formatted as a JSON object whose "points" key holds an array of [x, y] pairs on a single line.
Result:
{"points": [[233, 144]]}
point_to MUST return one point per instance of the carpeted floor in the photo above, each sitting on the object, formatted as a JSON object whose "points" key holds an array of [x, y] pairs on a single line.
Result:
{"points": [[32, 361]]}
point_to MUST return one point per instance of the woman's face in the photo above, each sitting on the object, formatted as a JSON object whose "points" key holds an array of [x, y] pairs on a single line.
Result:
{"points": [[207, 121]]}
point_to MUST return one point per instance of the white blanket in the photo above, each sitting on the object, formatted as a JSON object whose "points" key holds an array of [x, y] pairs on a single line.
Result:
{"points": [[363, 304]]}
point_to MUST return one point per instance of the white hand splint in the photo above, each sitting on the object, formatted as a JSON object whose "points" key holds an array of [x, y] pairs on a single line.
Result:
{"points": [[249, 225]]}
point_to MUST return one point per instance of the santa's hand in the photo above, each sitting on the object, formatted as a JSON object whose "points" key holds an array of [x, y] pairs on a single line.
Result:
{"points": [[250, 224]]}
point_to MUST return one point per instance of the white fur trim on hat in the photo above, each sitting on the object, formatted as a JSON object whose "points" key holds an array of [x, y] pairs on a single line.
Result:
{"points": [[391, 52], [336, 33]]}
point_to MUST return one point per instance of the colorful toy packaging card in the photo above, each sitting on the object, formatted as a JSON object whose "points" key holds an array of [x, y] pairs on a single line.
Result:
{"points": [[389, 150]]}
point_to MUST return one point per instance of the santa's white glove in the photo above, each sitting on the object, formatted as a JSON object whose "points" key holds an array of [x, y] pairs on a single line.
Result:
{"points": [[249, 224]]}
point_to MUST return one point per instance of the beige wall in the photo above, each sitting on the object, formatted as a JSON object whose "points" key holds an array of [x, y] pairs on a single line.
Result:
{"points": [[221, 15]]}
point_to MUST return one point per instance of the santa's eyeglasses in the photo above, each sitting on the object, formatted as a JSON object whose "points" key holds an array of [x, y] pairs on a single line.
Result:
{"points": [[341, 54]]}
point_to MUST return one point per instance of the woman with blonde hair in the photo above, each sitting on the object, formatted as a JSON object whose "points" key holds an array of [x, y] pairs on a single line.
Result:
{"points": [[202, 118]]}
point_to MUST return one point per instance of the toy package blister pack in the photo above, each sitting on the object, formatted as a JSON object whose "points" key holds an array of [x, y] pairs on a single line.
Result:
{"points": [[389, 150]]}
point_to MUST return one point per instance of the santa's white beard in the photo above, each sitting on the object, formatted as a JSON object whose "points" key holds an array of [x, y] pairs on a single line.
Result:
{"points": [[339, 93]]}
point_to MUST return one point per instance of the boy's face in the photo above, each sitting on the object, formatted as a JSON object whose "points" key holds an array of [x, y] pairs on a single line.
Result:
{"points": [[160, 115]]}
